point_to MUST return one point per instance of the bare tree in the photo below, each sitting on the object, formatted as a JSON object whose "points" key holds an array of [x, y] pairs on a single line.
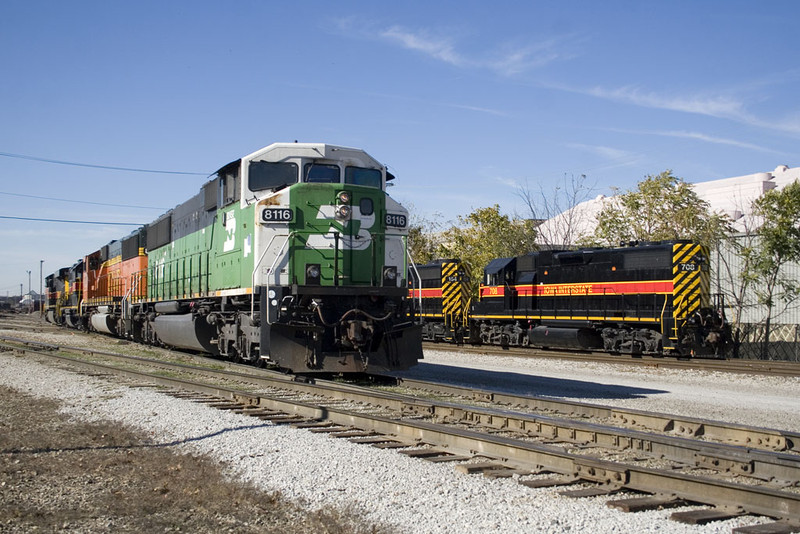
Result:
{"points": [[557, 209], [424, 236]]}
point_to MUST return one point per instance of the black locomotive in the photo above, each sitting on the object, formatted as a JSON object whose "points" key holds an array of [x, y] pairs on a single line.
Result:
{"points": [[652, 298]]}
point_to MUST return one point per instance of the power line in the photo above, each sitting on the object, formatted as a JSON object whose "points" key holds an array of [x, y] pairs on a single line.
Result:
{"points": [[72, 222], [108, 167], [83, 201]]}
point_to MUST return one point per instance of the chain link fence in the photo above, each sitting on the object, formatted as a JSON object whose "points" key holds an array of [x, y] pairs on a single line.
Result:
{"points": [[749, 342]]}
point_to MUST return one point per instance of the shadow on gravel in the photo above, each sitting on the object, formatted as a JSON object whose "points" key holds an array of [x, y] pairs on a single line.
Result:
{"points": [[168, 444], [523, 384]]}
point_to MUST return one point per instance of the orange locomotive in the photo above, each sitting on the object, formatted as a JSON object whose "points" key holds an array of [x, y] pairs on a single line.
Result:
{"points": [[114, 276], [99, 287]]}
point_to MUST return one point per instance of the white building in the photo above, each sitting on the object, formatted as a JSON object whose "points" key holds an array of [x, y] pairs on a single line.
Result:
{"points": [[733, 196]]}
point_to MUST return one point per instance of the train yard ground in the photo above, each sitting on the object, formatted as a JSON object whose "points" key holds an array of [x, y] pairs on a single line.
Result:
{"points": [[385, 491], [62, 474], [653, 384]]}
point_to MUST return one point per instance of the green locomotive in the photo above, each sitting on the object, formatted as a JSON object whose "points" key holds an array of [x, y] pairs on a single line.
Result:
{"points": [[293, 255]]}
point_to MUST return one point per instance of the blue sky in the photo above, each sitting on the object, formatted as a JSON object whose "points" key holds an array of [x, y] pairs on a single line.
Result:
{"points": [[464, 101]]}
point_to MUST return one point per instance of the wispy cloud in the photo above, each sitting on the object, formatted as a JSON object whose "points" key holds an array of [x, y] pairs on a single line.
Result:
{"points": [[696, 136], [405, 98], [507, 182], [614, 157], [440, 48], [507, 59], [711, 139], [477, 109], [604, 152], [721, 106], [716, 106]]}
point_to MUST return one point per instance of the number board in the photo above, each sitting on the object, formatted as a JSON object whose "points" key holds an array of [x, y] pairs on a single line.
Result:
{"points": [[396, 220], [276, 215], [688, 267]]}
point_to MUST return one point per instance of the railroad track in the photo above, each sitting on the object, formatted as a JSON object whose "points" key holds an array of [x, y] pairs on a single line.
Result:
{"points": [[734, 469], [758, 367]]}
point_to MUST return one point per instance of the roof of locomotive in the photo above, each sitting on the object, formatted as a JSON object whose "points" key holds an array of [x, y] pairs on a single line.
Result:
{"points": [[498, 264], [281, 151]]}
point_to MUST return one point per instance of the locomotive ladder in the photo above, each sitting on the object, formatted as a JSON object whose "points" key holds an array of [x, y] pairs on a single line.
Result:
{"points": [[415, 272], [269, 271], [125, 304]]}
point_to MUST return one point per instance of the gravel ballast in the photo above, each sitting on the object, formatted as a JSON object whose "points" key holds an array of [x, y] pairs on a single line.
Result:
{"points": [[410, 495], [764, 401]]}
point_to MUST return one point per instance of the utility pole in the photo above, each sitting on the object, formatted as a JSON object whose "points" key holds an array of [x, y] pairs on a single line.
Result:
{"points": [[41, 293], [30, 306]]}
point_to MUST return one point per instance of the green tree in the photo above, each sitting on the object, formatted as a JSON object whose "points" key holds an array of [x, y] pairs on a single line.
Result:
{"points": [[486, 234], [778, 243], [663, 207]]}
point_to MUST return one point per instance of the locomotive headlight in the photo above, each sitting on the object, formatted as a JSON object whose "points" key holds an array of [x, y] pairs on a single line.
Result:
{"points": [[389, 276], [312, 274], [343, 212], [344, 197]]}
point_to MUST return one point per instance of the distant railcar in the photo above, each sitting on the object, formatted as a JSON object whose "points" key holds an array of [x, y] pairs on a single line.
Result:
{"points": [[63, 292], [652, 298], [441, 298]]}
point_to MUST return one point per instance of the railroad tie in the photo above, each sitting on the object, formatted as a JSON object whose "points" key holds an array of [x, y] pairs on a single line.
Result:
{"points": [[480, 467], [433, 455], [642, 504], [550, 482], [595, 491], [768, 528], [702, 517]]}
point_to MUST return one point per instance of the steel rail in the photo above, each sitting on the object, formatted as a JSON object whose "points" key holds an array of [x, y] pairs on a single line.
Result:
{"points": [[520, 454], [755, 438], [723, 457], [748, 436]]}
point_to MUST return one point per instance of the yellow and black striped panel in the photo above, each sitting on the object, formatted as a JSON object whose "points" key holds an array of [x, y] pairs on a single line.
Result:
{"points": [[454, 294], [466, 296], [691, 280], [451, 293]]}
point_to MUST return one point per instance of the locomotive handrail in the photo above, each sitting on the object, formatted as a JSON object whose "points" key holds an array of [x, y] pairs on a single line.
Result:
{"points": [[269, 272], [136, 279], [414, 270]]}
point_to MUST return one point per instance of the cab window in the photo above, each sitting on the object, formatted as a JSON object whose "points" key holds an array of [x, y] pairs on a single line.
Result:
{"points": [[321, 173], [362, 176], [267, 175]]}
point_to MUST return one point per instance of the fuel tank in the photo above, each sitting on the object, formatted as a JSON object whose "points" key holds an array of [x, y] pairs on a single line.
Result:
{"points": [[186, 332], [105, 323], [565, 338]]}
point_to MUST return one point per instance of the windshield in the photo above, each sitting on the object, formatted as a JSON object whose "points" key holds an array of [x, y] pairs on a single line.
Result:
{"points": [[321, 173], [362, 176], [267, 175]]}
